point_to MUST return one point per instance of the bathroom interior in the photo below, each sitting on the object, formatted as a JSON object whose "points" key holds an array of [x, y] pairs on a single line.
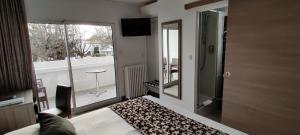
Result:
{"points": [[212, 28]]}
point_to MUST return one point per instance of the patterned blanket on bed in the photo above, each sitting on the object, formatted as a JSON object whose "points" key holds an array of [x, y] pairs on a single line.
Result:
{"points": [[150, 118]]}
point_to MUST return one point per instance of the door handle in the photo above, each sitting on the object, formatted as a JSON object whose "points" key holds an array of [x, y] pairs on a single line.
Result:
{"points": [[227, 74]]}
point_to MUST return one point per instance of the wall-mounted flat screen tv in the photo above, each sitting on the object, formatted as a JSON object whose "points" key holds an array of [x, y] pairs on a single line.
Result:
{"points": [[136, 27]]}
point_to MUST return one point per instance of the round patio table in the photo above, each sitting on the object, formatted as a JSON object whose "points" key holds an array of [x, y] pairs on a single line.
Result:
{"points": [[98, 92]]}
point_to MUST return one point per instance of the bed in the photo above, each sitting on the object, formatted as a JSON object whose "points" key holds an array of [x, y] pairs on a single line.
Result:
{"points": [[112, 121]]}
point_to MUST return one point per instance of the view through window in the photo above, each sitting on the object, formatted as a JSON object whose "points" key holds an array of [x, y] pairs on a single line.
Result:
{"points": [[92, 59]]}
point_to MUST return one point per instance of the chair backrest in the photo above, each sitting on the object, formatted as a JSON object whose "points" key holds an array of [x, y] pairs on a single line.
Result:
{"points": [[165, 61], [174, 61], [63, 98], [39, 83]]}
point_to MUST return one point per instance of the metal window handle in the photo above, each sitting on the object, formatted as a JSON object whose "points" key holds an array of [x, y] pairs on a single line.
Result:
{"points": [[227, 74]]}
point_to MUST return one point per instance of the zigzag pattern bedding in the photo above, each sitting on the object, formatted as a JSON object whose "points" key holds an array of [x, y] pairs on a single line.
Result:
{"points": [[150, 118]]}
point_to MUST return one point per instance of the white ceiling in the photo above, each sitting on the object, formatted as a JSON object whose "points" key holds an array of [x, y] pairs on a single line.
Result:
{"points": [[134, 1]]}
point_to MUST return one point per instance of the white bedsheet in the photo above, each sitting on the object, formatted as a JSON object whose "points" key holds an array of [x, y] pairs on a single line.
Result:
{"points": [[105, 121], [196, 117]]}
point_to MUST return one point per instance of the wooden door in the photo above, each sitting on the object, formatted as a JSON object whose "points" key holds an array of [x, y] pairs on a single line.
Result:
{"points": [[262, 95]]}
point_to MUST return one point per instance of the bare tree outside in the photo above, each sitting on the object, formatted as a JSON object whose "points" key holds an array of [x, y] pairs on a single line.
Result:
{"points": [[102, 36], [76, 44], [47, 41]]}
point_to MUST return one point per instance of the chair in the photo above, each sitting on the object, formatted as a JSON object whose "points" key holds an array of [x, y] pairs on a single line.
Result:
{"points": [[42, 93], [62, 102], [174, 62], [174, 67], [164, 66]]}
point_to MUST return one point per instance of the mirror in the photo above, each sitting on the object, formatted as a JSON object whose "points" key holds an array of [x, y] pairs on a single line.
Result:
{"points": [[171, 37]]}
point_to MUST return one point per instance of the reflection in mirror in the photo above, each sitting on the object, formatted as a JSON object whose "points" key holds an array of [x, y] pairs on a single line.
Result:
{"points": [[171, 32]]}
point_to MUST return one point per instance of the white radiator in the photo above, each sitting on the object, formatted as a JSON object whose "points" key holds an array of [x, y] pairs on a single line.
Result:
{"points": [[135, 76]]}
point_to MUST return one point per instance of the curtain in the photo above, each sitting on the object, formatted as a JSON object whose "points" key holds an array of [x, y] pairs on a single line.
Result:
{"points": [[16, 68]]}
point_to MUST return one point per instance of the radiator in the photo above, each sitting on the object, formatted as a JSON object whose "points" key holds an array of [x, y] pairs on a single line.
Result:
{"points": [[135, 76]]}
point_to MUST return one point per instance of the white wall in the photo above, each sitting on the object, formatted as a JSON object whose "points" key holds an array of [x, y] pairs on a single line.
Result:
{"points": [[130, 50], [152, 52], [168, 10]]}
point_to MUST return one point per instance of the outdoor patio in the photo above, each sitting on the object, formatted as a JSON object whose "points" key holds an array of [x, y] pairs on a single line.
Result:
{"points": [[89, 96], [53, 73]]}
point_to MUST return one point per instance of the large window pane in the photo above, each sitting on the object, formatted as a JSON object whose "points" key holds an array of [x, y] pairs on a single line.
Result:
{"points": [[49, 59], [92, 59]]}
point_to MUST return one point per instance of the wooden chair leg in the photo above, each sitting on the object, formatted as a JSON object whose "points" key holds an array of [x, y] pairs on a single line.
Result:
{"points": [[43, 104], [47, 103], [40, 104], [69, 116]]}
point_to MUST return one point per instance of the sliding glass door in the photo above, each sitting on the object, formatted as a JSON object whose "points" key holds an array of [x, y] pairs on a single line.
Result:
{"points": [[89, 65], [93, 66]]}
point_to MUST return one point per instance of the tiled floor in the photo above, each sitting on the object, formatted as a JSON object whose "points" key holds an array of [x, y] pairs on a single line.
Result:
{"points": [[89, 96], [173, 90]]}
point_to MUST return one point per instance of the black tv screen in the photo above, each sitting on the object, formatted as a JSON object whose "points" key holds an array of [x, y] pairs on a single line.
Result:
{"points": [[136, 27]]}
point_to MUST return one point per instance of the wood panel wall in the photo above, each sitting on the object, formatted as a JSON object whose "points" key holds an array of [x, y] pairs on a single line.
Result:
{"points": [[262, 96]]}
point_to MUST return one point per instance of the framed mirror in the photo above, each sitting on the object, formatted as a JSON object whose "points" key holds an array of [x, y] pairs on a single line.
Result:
{"points": [[171, 38]]}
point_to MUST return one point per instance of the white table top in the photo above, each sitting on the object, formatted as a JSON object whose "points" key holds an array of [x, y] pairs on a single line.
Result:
{"points": [[96, 71]]}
